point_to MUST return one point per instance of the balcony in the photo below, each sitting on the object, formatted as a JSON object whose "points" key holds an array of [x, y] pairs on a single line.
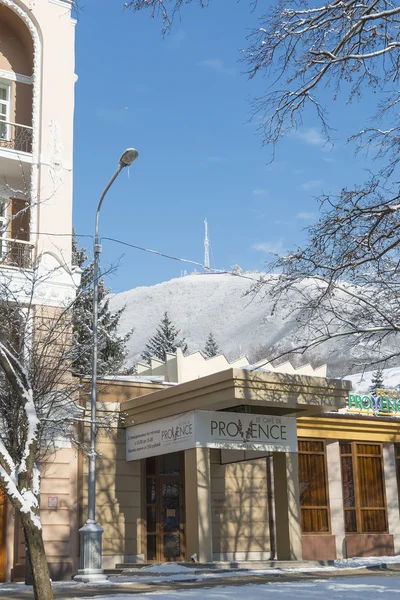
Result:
{"points": [[14, 136], [16, 253]]}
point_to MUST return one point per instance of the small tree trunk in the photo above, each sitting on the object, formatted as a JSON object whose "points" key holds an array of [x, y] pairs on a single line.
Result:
{"points": [[40, 571]]}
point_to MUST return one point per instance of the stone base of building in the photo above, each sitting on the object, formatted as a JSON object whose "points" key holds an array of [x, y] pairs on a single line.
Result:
{"points": [[240, 556], [369, 544], [319, 547]]}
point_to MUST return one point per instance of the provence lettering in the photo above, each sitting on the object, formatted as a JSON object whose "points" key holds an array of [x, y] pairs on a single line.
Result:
{"points": [[174, 433], [257, 431], [377, 404]]}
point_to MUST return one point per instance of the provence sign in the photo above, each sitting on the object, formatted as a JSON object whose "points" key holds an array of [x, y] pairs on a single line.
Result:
{"points": [[385, 402], [211, 429]]}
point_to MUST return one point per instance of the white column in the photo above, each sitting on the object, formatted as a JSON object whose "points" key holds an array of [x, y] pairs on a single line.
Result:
{"points": [[392, 497], [336, 496]]}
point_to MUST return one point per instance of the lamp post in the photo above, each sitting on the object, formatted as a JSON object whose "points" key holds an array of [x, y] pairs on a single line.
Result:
{"points": [[90, 534]]}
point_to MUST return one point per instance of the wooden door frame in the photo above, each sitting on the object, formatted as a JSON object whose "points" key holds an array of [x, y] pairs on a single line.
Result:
{"points": [[182, 510]]}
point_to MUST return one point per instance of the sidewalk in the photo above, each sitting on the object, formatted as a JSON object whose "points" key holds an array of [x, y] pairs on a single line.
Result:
{"points": [[112, 588]]}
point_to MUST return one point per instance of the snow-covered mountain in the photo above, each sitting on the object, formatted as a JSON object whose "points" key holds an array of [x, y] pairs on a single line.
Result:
{"points": [[241, 324], [363, 381]]}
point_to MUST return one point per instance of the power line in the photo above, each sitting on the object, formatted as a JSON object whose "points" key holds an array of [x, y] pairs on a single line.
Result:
{"points": [[150, 251], [186, 260]]}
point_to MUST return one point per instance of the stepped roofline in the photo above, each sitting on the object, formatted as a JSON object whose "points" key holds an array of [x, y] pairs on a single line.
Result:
{"points": [[178, 368]]}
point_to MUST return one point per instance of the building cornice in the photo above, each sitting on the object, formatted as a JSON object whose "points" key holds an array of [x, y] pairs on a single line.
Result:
{"points": [[349, 428]]}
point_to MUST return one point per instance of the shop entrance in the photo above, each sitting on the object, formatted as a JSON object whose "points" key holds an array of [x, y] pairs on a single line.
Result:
{"points": [[165, 507]]}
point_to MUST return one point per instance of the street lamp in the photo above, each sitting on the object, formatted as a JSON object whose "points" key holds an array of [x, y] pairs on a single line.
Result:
{"points": [[91, 532]]}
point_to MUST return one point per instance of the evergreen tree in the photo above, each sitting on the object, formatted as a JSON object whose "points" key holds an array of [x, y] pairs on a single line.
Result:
{"points": [[211, 348], [112, 349], [377, 381], [164, 340]]}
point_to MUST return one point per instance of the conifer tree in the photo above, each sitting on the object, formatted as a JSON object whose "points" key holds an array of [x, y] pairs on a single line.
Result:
{"points": [[112, 349], [211, 348], [377, 381], [164, 340]]}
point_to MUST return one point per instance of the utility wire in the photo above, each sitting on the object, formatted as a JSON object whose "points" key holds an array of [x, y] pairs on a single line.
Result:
{"points": [[150, 251], [186, 260]]}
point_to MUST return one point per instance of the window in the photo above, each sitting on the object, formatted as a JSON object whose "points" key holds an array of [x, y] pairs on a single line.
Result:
{"points": [[363, 484], [314, 497], [4, 111]]}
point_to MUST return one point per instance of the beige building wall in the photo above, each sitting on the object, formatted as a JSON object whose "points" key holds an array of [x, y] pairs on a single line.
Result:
{"points": [[59, 515], [118, 499], [239, 505]]}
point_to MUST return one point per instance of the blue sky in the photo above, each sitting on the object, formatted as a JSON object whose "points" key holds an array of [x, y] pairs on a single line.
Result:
{"points": [[182, 101]]}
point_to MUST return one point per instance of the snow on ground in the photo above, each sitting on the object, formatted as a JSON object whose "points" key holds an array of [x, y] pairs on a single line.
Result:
{"points": [[172, 572], [367, 588]]}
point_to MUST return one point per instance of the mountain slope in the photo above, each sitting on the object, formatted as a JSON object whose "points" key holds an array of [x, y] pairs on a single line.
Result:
{"points": [[200, 303]]}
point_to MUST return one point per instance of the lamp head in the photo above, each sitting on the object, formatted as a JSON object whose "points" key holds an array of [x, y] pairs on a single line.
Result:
{"points": [[128, 157]]}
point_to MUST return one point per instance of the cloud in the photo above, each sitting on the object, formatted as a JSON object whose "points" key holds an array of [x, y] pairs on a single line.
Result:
{"points": [[329, 159], [311, 136], [312, 184], [215, 64], [260, 192], [306, 216], [275, 247]]}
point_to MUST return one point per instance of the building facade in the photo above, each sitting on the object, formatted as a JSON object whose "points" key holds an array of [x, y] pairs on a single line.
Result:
{"points": [[37, 81], [239, 465], [36, 135]]}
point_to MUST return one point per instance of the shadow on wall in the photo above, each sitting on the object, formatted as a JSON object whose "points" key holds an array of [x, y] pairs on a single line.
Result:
{"points": [[240, 519]]}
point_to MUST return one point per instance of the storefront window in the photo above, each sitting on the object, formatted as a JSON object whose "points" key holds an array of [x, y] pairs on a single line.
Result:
{"points": [[363, 488], [314, 497]]}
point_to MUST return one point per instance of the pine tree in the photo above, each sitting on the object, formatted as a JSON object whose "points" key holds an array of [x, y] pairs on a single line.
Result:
{"points": [[164, 340], [211, 348], [112, 349], [377, 381]]}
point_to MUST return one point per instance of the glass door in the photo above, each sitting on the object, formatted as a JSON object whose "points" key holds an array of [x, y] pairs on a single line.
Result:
{"points": [[165, 510]]}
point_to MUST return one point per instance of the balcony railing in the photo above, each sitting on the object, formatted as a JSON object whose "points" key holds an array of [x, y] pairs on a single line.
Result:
{"points": [[15, 136], [16, 253]]}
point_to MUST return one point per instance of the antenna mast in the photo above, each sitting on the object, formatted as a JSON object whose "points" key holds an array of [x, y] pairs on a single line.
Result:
{"points": [[206, 248]]}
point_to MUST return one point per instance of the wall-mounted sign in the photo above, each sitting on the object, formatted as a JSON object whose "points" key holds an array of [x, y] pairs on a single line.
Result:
{"points": [[52, 502], [212, 429], [386, 402]]}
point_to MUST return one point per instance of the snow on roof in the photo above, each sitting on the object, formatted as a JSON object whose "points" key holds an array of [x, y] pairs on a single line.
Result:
{"points": [[138, 379]]}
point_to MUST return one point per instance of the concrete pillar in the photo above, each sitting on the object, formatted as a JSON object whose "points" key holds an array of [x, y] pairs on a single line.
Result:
{"points": [[287, 506], [198, 504], [336, 496], [392, 497]]}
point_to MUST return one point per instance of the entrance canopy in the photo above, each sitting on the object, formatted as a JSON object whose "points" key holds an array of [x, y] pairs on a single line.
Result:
{"points": [[211, 429], [241, 391]]}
